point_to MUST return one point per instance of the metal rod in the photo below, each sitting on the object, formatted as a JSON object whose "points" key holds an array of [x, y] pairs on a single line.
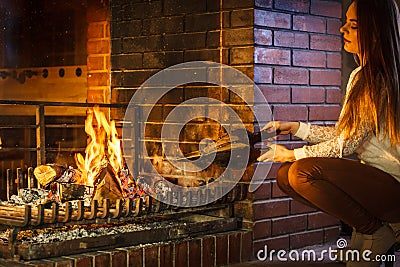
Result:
{"points": [[31, 178], [59, 104], [20, 182], [40, 135], [10, 184]]}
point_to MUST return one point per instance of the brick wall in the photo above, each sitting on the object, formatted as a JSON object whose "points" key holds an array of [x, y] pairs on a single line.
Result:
{"points": [[292, 50], [298, 68], [98, 51]]}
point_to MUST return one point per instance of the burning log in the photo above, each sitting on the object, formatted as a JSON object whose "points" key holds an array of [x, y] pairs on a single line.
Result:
{"points": [[45, 174], [107, 187]]}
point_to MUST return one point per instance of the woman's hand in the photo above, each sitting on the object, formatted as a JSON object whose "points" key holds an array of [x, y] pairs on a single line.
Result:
{"points": [[277, 153], [285, 127]]}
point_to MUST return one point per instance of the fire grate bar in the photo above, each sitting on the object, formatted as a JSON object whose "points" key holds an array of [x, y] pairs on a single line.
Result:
{"points": [[28, 216]]}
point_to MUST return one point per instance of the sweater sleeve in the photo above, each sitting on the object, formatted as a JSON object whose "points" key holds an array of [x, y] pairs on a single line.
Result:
{"points": [[335, 147], [315, 134]]}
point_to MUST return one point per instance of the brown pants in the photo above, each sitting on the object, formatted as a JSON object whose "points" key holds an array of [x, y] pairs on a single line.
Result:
{"points": [[360, 195]]}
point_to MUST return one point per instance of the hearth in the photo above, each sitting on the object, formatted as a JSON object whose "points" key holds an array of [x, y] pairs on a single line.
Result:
{"points": [[44, 215]]}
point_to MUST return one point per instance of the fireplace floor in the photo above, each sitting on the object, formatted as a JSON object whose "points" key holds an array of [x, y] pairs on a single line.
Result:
{"points": [[218, 249], [34, 244]]}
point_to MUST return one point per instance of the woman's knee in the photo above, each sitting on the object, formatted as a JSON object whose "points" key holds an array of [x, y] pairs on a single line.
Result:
{"points": [[303, 171], [282, 178]]}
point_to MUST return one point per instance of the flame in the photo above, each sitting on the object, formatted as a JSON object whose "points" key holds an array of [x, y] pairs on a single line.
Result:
{"points": [[103, 147]]}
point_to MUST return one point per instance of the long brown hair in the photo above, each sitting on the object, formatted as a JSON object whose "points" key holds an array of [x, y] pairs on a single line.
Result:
{"points": [[374, 98]]}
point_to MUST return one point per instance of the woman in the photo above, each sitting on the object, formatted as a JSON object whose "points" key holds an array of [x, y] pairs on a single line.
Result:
{"points": [[366, 194]]}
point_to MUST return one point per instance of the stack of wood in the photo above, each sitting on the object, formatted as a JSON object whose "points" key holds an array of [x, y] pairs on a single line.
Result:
{"points": [[107, 185], [61, 181]]}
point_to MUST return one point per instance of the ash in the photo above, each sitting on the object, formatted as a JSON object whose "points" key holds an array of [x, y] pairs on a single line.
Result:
{"points": [[50, 235]]}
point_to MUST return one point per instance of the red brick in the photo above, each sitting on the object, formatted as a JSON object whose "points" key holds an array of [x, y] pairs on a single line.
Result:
{"points": [[276, 191], [308, 23], [154, 42], [99, 79], [290, 76], [135, 257], [276, 243], [297, 207], [208, 252], [166, 257], [290, 113], [262, 229], [234, 248], [235, 4], [320, 113], [95, 63], [326, 8], [291, 39], [158, 60], [304, 239], [62, 262], [221, 250], [246, 246], [262, 74], [206, 54], [271, 19], [102, 260], [334, 60], [195, 252], [325, 43], [136, 78], [242, 18], [202, 22], [95, 30], [131, 61], [172, 7], [241, 36], [156, 26], [242, 55], [333, 26], [263, 3], [274, 170], [271, 208], [262, 37], [325, 77], [286, 225], [331, 233], [276, 93], [183, 41], [181, 258], [272, 56], [118, 258], [300, 6], [81, 260], [319, 219], [263, 191], [308, 95], [333, 96], [309, 59], [151, 256], [98, 47]]}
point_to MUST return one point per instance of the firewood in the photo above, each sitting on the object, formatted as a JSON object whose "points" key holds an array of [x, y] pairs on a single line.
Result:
{"points": [[45, 174], [107, 187]]}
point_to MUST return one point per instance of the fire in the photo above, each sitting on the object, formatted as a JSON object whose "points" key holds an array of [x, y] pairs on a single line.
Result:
{"points": [[104, 147]]}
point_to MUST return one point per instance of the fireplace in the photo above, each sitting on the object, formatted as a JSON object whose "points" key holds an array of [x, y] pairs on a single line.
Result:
{"points": [[280, 45]]}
